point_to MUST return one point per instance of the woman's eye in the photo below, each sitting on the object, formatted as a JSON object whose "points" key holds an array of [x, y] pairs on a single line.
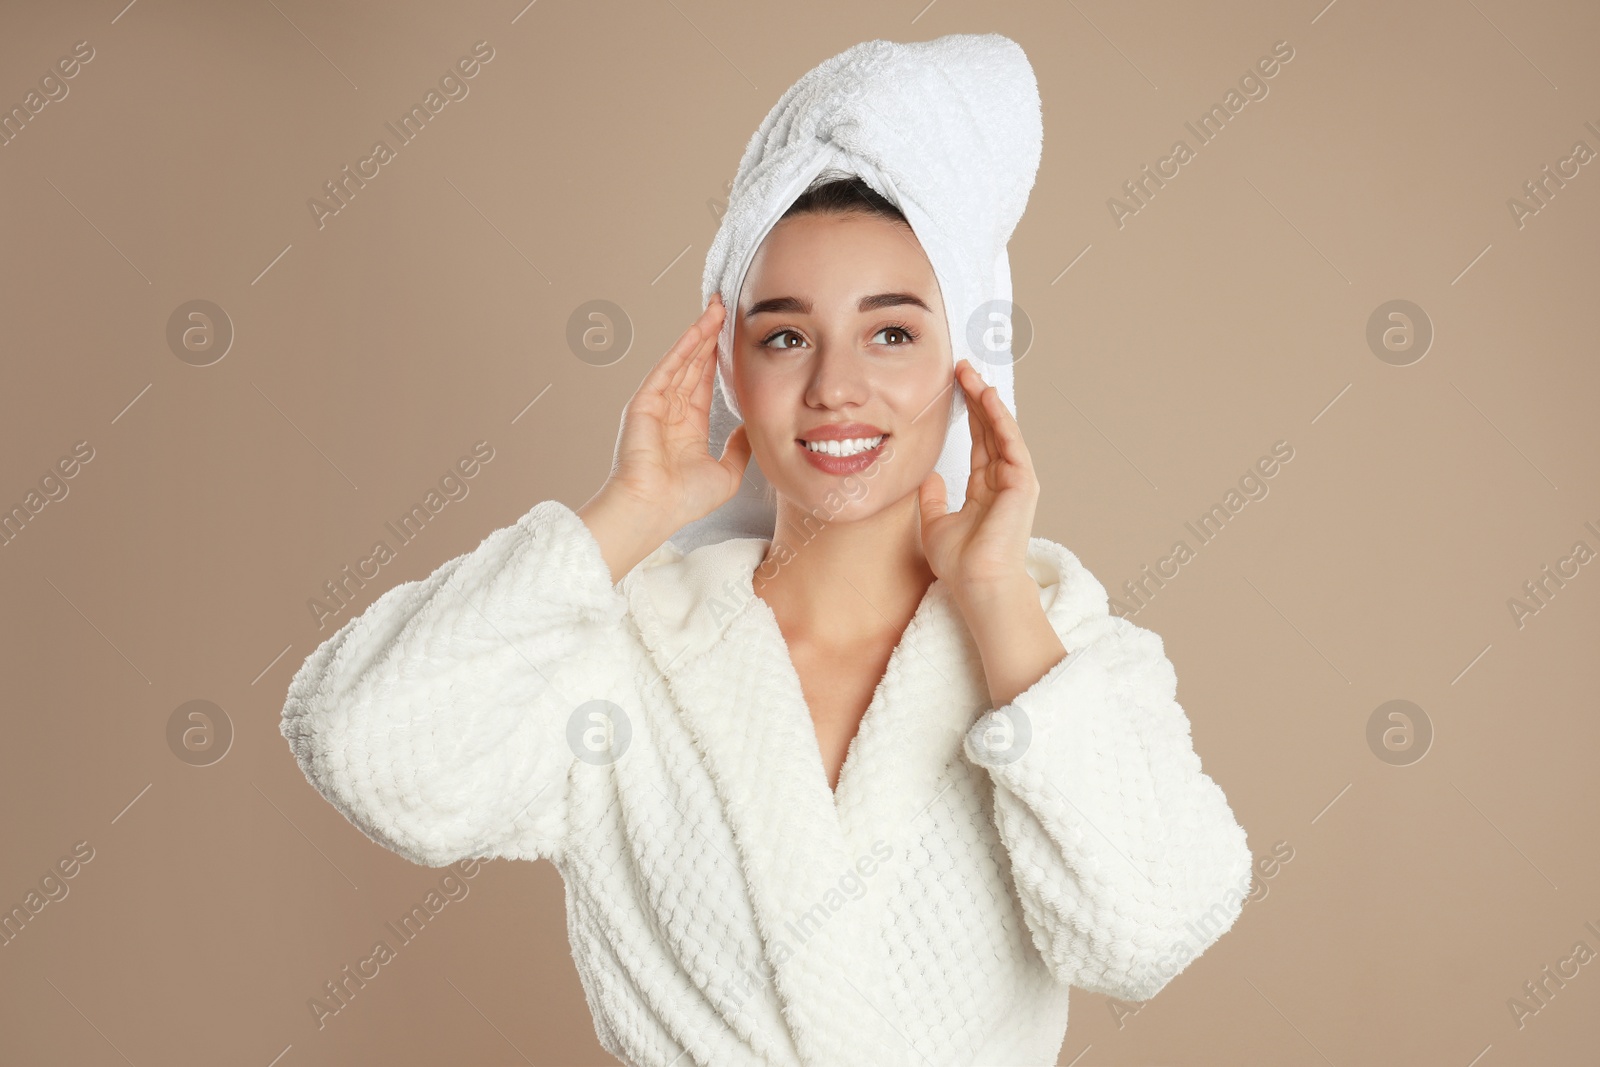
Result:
{"points": [[903, 336], [781, 333]]}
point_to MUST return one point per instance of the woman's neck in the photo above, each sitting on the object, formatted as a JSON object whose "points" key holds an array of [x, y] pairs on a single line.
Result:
{"points": [[838, 583]]}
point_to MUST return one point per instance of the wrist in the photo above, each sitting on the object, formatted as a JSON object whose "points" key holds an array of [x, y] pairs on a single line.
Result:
{"points": [[1015, 587], [992, 608], [1016, 641], [626, 528]]}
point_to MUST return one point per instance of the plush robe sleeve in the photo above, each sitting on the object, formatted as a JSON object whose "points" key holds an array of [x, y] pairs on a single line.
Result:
{"points": [[437, 721], [1126, 857]]}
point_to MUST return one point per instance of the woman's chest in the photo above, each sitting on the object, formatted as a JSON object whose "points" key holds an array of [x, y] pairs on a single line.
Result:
{"points": [[838, 687]]}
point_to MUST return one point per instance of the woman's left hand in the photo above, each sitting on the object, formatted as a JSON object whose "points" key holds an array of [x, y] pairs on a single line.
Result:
{"points": [[984, 545]]}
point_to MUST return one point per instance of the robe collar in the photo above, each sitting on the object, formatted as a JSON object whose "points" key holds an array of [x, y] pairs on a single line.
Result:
{"points": [[803, 848]]}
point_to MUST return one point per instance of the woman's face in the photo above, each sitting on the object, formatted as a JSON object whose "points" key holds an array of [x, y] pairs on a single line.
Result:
{"points": [[840, 321]]}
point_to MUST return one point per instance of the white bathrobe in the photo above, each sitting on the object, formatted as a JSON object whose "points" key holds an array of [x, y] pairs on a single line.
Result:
{"points": [[723, 905]]}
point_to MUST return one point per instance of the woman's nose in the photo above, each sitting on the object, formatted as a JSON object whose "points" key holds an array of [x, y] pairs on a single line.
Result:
{"points": [[838, 377]]}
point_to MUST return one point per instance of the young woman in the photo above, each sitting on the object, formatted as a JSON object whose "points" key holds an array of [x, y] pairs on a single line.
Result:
{"points": [[843, 342], [874, 789]]}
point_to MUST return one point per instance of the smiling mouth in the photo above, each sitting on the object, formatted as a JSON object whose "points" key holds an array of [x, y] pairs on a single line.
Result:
{"points": [[843, 448]]}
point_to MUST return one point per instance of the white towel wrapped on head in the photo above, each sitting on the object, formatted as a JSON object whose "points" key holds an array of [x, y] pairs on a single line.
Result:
{"points": [[948, 130]]}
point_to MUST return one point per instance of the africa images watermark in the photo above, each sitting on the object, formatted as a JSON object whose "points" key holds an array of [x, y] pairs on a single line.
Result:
{"points": [[52, 889], [53, 88], [1539, 993], [1541, 590], [340, 991], [1541, 190], [1140, 191], [452, 486], [1253, 486], [851, 886], [452, 84], [52, 489], [1182, 951]]}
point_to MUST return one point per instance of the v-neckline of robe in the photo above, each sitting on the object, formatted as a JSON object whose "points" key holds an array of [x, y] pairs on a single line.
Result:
{"points": [[796, 840], [846, 788]]}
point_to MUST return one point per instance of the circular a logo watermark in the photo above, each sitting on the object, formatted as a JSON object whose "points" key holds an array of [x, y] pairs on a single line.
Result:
{"points": [[1399, 733], [199, 733], [599, 332], [1399, 333], [598, 732], [999, 332], [1004, 736], [199, 332]]}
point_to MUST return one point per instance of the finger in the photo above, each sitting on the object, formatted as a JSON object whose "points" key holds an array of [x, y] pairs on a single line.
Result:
{"points": [[1007, 434], [691, 371], [977, 480], [982, 391], [931, 498], [736, 453], [693, 336], [666, 368], [988, 403], [991, 438], [976, 417], [704, 375]]}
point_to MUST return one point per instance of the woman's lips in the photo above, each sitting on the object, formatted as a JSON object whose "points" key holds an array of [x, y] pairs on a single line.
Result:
{"points": [[842, 464]]}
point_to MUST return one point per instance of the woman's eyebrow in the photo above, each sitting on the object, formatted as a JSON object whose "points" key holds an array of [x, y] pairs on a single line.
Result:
{"points": [[889, 300], [795, 305]]}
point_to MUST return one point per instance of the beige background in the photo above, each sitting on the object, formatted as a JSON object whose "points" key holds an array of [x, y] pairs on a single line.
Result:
{"points": [[588, 162]]}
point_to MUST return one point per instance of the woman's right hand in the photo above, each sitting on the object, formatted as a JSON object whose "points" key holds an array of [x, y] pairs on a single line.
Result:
{"points": [[662, 460]]}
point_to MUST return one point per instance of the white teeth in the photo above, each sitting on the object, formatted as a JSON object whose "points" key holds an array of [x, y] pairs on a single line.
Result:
{"points": [[849, 447]]}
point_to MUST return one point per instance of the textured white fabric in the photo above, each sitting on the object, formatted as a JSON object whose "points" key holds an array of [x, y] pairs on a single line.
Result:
{"points": [[950, 131], [724, 906]]}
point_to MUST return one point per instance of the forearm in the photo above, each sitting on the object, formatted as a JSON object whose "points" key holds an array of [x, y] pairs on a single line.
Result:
{"points": [[1125, 855], [627, 531], [437, 717], [1014, 637]]}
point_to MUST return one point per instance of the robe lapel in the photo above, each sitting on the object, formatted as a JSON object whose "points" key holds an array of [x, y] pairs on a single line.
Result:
{"points": [[932, 692], [726, 665], [909, 743]]}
